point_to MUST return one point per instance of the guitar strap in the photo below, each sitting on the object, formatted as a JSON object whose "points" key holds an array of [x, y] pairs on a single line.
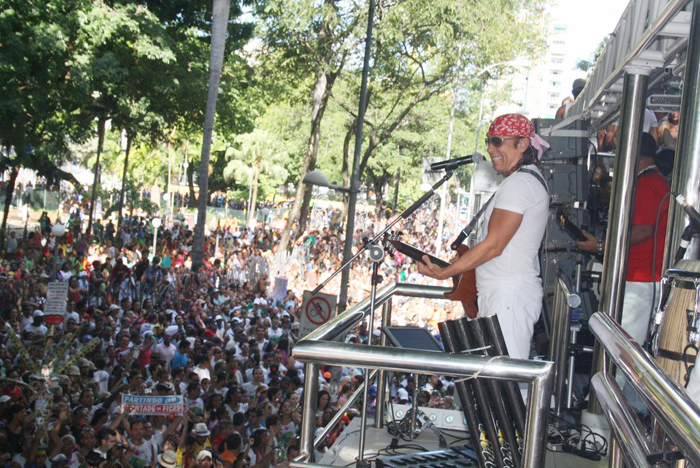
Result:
{"points": [[537, 176], [472, 224]]}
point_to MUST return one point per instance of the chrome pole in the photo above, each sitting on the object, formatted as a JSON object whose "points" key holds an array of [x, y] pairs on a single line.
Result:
{"points": [[559, 345], [667, 400], [612, 283], [630, 441], [381, 376], [339, 414], [308, 419], [686, 170], [540, 375], [370, 335]]}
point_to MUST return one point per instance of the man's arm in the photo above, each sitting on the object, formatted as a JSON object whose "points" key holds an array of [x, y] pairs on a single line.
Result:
{"points": [[502, 227], [640, 233]]}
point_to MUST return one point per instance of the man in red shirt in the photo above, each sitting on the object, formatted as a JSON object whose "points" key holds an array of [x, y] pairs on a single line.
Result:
{"points": [[651, 189]]}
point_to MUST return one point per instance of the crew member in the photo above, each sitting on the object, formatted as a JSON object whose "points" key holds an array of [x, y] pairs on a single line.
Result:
{"points": [[506, 260], [651, 191]]}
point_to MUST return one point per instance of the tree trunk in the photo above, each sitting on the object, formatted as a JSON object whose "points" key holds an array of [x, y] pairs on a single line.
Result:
{"points": [[305, 207], [221, 9], [190, 185], [396, 189], [253, 195], [101, 128], [321, 93], [8, 200], [123, 188]]}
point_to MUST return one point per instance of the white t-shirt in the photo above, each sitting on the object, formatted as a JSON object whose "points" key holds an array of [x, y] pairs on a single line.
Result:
{"points": [[143, 454], [518, 265], [101, 377]]}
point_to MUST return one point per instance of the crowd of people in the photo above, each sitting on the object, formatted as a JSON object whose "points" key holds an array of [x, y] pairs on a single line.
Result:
{"points": [[143, 322]]}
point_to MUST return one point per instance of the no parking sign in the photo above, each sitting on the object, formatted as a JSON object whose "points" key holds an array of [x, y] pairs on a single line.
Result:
{"points": [[315, 311]]}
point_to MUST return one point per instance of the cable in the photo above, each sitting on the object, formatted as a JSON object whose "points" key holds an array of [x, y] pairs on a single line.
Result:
{"points": [[653, 261], [688, 368]]}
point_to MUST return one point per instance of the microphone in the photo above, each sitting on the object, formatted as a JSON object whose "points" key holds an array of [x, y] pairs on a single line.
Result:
{"points": [[451, 164], [689, 210]]}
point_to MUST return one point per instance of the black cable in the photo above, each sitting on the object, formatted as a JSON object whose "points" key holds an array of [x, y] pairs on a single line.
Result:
{"points": [[688, 369], [653, 261]]}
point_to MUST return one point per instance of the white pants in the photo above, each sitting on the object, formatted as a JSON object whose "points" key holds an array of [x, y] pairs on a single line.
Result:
{"points": [[636, 314], [517, 313], [636, 309]]}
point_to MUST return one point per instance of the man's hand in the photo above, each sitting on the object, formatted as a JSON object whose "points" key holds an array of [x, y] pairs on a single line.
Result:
{"points": [[590, 244], [428, 268]]}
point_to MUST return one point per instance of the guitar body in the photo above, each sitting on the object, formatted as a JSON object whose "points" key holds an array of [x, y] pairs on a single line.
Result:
{"points": [[464, 289]]}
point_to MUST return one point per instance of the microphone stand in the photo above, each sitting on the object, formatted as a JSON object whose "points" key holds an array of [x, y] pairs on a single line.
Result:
{"points": [[408, 212], [376, 256]]}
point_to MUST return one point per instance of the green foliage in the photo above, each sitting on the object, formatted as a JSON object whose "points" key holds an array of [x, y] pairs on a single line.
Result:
{"points": [[255, 158]]}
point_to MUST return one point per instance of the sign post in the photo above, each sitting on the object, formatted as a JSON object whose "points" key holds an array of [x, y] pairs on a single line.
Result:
{"points": [[315, 311], [56, 301]]}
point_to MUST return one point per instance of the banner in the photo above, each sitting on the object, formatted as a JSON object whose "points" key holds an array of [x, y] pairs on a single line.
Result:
{"points": [[154, 405]]}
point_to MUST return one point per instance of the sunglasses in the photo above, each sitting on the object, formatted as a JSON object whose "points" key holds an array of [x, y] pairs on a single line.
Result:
{"points": [[498, 141]]}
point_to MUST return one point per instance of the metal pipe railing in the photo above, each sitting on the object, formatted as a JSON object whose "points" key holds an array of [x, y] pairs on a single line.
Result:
{"points": [[623, 421], [539, 374], [334, 329], [339, 414], [338, 326], [382, 375], [666, 399], [559, 344], [617, 239], [588, 102]]}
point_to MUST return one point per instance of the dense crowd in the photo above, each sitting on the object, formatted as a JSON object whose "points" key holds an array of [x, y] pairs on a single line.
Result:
{"points": [[145, 323]]}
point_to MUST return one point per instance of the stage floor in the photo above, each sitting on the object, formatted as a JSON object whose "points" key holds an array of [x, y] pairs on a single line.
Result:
{"points": [[344, 451]]}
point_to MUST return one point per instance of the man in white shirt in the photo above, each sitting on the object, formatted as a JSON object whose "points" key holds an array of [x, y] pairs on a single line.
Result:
{"points": [[166, 349]]}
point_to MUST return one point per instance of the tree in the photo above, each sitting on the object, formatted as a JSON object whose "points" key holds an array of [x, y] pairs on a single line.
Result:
{"points": [[39, 93], [300, 36], [256, 157], [418, 45], [218, 44], [125, 59]]}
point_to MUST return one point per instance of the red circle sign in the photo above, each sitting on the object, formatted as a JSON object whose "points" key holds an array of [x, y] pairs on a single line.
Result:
{"points": [[318, 310]]}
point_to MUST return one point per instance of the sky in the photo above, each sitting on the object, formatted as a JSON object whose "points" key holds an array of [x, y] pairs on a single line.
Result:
{"points": [[588, 22]]}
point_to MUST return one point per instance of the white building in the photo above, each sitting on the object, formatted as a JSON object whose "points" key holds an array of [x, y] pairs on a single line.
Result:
{"points": [[538, 91]]}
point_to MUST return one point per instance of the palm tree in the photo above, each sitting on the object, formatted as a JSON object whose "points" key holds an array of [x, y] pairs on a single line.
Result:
{"points": [[220, 14], [257, 156]]}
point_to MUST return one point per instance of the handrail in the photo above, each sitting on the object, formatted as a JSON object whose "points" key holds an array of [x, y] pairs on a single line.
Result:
{"points": [[340, 413], [334, 329], [559, 344], [623, 421], [338, 326], [539, 374], [590, 97], [667, 400]]}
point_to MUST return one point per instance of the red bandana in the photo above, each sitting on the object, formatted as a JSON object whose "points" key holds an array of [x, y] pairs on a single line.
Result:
{"points": [[512, 125]]}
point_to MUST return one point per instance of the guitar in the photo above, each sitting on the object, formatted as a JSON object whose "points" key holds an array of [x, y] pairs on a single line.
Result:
{"points": [[463, 286], [566, 224]]}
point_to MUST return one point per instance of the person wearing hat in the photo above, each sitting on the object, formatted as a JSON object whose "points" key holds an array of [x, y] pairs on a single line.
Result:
{"points": [[201, 433], [576, 88], [506, 260], [36, 327], [204, 459], [167, 459]]}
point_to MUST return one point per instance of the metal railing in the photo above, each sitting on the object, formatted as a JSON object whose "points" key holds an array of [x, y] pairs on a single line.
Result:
{"points": [[317, 348], [668, 402], [559, 344]]}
